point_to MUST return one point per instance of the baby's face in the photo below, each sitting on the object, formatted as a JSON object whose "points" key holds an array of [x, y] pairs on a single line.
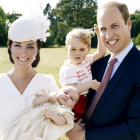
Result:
{"points": [[68, 96]]}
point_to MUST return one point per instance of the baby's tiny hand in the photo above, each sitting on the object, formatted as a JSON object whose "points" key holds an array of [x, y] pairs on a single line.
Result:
{"points": [[95, 84], [52, 99], [49, 113]]}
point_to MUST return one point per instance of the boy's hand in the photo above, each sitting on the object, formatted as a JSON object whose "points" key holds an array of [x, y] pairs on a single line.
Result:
{"points": [[96, 29], [95, 84]]}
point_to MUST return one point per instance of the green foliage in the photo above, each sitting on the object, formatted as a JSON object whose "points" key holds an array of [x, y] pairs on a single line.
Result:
{"points": [[63, 29], [12, 17], [50, 40], [3, 27], [137, 12], [77, 13], [53, 17], [135, 18], [136, 40], [47, 9], [5, 21]]}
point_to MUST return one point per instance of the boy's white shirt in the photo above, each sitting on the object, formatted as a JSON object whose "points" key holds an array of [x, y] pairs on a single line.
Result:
{"points": [[78, 74]]}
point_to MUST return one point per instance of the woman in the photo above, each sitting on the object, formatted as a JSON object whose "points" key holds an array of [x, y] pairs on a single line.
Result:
{"points": [[19, 85]]}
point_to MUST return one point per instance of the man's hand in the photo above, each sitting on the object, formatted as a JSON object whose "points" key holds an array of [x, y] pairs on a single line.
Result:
{"points": [[77, 133]]}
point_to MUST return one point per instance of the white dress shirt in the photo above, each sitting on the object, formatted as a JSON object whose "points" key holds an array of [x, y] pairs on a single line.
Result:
{"points": [[120, 57]]}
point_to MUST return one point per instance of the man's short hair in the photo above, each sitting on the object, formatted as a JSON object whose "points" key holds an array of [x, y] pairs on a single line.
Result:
{"points": [[121, 6]]}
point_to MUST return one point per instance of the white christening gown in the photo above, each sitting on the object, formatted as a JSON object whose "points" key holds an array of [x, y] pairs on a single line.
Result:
{"points": [[32, 125]]}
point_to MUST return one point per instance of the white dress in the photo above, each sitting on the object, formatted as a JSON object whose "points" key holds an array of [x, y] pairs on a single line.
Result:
{"points": [[12, 102], [32, 125]]}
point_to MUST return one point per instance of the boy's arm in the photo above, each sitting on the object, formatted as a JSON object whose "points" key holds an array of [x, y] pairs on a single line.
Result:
{"points": [[101, 50], [94, 84], [59, 120]]}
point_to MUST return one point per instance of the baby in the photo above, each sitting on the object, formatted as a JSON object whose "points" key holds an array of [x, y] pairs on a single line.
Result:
{"points": [[49, 118]]}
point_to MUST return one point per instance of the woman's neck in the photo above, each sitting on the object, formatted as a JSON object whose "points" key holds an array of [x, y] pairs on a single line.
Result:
{"points": [[21, 74], [21, 77]]}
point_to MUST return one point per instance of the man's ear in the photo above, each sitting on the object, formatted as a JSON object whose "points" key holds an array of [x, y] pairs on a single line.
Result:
{"points": [[129, 24]]}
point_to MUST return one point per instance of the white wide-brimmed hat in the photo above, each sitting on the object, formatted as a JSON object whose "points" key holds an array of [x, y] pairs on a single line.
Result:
{"points": [[31, 27]]}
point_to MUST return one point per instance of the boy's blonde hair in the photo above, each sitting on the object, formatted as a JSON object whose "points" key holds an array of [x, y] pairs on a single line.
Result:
{"points": [[84, 35]]}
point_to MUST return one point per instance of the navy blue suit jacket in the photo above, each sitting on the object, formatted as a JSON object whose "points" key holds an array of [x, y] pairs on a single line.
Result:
{"points": [[117, 114]]}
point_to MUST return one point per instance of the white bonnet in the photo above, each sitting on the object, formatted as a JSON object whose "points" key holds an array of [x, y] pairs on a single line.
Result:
{"points": [[28, 28]]}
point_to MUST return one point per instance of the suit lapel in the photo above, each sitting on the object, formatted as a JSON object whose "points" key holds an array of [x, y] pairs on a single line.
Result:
{"points": [[126, 63], [104, 65]]}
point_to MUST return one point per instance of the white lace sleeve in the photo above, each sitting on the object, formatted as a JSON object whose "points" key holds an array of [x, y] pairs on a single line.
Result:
{"points": [[42, 92]]}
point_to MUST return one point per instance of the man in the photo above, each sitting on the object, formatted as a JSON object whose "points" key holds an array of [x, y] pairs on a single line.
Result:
{"points": [[117, 113]]}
